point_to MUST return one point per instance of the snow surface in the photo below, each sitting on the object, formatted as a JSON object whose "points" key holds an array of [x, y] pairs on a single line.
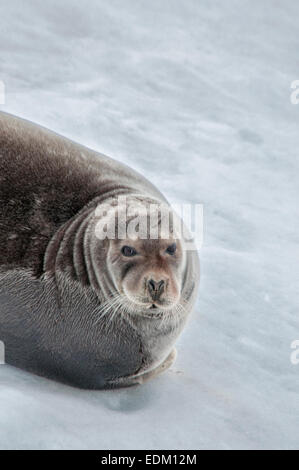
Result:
{"points": [[196, 96]]}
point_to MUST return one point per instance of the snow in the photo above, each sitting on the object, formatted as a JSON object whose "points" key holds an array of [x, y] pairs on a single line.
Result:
{"points": [[196, 96]]}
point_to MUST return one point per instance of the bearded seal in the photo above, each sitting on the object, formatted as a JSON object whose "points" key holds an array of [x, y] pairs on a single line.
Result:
{"points": [[75, 307]]}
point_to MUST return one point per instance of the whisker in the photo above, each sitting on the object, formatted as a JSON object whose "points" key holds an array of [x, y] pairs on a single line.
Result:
{"points": [[107, 306]]}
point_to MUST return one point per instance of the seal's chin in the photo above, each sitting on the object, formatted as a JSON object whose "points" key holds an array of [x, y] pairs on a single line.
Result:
{"points": [[152, 311]]}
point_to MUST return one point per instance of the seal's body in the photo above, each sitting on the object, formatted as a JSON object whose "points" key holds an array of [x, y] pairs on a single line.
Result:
{"points": [[63, 292]]}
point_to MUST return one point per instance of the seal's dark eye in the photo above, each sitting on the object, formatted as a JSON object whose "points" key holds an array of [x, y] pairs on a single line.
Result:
{"points": [[171, 249], [128, 251]]}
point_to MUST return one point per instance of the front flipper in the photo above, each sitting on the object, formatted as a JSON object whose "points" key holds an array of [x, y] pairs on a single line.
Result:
{"points": [[143, 377]]}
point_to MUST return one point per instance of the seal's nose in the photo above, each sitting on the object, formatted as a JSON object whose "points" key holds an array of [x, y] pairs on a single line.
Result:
{"points": [[156, 288]]}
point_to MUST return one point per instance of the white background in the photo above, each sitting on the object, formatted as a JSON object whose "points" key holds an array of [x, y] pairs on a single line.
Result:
{"points": [[196, 96]]}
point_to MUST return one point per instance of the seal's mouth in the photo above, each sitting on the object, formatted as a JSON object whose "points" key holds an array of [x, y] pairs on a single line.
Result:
{"points": [[153, 307], [153, 311], [150, 309]]}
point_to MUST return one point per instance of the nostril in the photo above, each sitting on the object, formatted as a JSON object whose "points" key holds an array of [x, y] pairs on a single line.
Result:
{"points": [[156, 287], [152, 285]]}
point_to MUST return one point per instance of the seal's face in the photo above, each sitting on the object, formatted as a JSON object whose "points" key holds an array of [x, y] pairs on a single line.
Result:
{"points": [[147, 272]]}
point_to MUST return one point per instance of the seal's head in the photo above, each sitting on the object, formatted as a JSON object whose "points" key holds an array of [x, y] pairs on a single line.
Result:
{"points": [[145, 259]]}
